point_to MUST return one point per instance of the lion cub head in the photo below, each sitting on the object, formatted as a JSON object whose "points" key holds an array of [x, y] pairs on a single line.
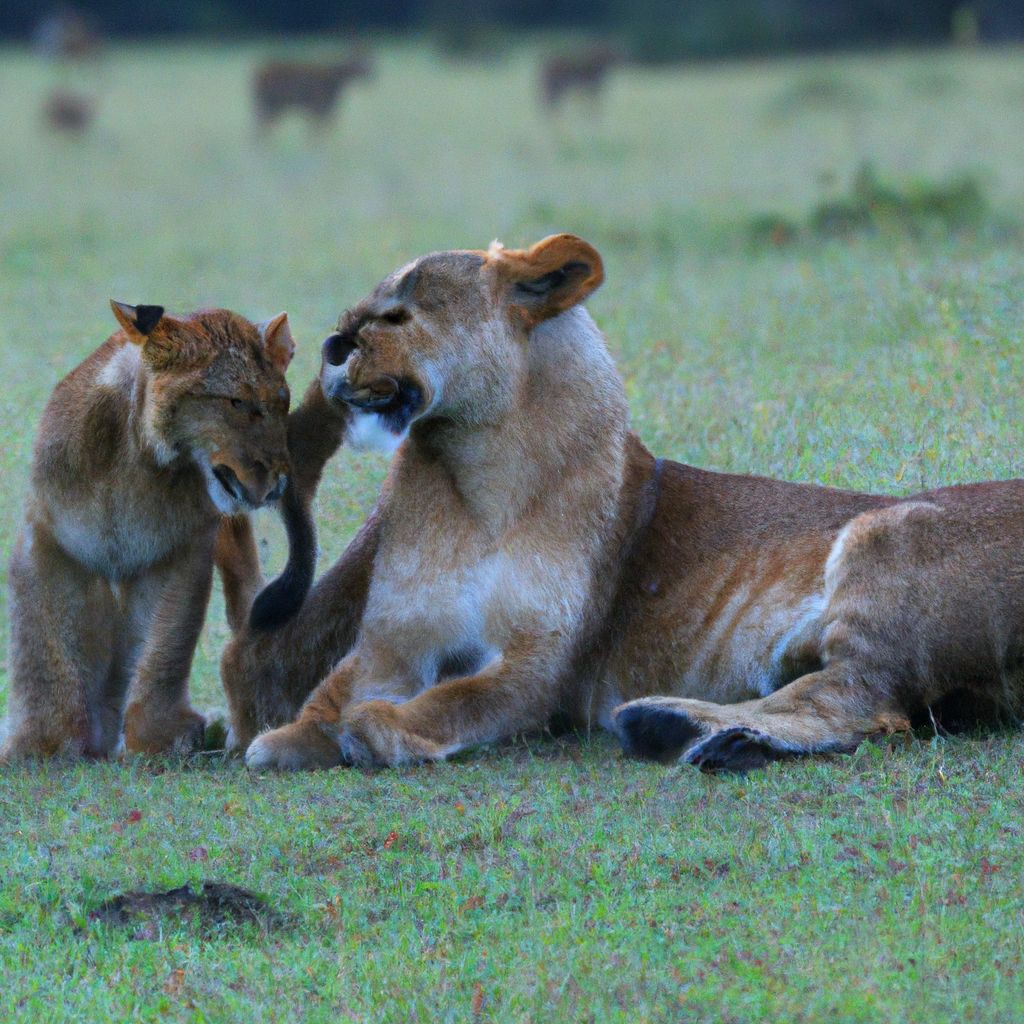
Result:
{"points": [[448, 335], [215, 393]]}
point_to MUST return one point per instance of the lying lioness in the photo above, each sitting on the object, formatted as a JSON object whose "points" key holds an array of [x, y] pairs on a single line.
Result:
{"points": [[169, 427], [529, 558]]}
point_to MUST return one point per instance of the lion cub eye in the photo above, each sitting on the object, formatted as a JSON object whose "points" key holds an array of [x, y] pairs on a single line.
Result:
{"points": [[237, 403]]}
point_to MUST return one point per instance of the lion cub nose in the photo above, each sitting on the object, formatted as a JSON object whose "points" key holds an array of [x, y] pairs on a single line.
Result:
{"points": [[263, 487]]}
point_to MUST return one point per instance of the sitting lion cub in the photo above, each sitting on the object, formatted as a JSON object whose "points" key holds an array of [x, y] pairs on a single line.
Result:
{"points": [[144, 449]]}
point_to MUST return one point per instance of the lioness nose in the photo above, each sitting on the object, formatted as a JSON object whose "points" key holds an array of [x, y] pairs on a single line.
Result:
{"points": [[337, 348]]}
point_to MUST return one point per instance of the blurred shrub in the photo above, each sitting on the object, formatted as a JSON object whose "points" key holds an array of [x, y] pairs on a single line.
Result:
{"points": [[873, 206], [820, 90], [465, 29], [770, 230], [916, 208], [933, 82]]}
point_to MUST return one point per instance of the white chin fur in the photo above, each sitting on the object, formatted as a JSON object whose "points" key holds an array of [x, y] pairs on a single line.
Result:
{"points": [[366, 433], [225, 503]]}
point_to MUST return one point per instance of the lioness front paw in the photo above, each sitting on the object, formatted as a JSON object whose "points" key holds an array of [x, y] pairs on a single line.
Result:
{"points": [[372, 736], [178, 730], [301, 746]]}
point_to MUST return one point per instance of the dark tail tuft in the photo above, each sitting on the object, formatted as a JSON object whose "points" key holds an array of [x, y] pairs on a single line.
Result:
{"points": [[283, 597]]}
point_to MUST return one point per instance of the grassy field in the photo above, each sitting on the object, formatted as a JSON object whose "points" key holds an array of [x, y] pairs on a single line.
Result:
{"points": [[548, 880]]}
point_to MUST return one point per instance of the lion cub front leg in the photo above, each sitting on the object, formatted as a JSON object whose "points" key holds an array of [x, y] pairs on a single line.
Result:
{"points": [[167, 608], [62, 636]]}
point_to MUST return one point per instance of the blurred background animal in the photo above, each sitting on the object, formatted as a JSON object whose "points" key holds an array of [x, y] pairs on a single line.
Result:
{"points": [[68, 112], [67, 34], [584, 73], [280, 87]]}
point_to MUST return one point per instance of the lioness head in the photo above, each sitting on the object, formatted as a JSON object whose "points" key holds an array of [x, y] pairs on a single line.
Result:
{"points": [[448, 335], [216, 393]]}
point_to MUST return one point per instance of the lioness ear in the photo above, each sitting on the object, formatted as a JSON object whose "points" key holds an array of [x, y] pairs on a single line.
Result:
{"points": [[137, 321], [278, 341], [549, 277]]}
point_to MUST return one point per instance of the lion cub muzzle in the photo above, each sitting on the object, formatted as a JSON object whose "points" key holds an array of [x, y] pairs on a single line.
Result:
{"points": [[258, 487]]}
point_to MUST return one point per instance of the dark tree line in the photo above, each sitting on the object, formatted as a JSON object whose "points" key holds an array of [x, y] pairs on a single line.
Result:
{"points": [[656, 29]]}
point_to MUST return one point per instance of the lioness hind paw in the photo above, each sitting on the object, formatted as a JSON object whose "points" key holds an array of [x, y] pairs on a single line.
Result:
{"points": [[738, 749], [654, 731], [356, 751]]}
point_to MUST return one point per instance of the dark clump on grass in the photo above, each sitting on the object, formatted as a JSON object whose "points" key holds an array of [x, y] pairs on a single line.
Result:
{"points": [[917, 209], [216, 906], [771, 230]]}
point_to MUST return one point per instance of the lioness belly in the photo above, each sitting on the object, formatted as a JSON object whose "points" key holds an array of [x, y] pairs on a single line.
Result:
{"points": [[738, 629]]}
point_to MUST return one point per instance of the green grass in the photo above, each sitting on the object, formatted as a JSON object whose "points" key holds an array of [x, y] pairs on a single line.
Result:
{"points": [[545, 880]]}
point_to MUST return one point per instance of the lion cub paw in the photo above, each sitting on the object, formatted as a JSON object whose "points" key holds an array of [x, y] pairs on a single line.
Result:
{"points": [[372, 736], [301, 746], [179, 730]]}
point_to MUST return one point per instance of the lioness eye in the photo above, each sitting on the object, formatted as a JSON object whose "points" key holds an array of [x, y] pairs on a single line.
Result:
{"points": [[395, 316], [237, 403]]}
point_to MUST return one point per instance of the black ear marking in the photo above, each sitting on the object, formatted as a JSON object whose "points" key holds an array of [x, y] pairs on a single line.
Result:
{"points": [[147, 317], [573, 271]]}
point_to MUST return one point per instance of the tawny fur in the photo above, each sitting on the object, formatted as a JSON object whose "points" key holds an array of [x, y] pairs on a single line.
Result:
{"points": [[529, 558], [312, 89], [144, 452]]}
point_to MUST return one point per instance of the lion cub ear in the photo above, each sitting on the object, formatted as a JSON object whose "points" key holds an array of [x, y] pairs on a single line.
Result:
{"points": [[138, 321], [555, 274], [277, 340]]}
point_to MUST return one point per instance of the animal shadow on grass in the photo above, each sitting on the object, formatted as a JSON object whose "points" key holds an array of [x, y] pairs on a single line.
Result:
{"points": [[216, 908]]}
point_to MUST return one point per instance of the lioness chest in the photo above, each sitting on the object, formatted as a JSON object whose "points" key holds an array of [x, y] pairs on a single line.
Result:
{"points": [[447, 598]]}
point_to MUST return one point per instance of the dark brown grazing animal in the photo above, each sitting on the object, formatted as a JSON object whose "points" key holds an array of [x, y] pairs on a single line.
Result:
{"points": [[584, 73], [68, 112], [530, 559], [311, 89]]}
